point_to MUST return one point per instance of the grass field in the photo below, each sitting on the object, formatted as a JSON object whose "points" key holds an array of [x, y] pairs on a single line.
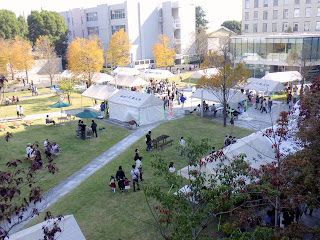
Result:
{"points": [[75, 151], [102, 214], [41, 104]]}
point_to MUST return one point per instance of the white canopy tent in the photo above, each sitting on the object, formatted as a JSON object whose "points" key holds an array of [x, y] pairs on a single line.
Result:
{"points": [[100, 92], [129, 81], [157, 73], [264, 85], [70, 230], [284, 77], [66, 74], [206, 72], [101, 78], [125, 71], [235, 96], [256, 147], [144, 108]]}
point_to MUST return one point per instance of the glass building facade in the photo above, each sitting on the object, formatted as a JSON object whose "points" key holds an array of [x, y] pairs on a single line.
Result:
{"points": [[274, 53]]}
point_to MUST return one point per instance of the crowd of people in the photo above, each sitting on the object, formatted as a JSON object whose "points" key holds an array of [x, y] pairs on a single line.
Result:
{"points": [[11, 100]]}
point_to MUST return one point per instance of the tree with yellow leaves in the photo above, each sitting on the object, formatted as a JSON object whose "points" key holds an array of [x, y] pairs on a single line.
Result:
{"points": [[5, 56], [226, 81], [45, 50], [22, 55], [85, 57], [164, 55], [118, 52]]}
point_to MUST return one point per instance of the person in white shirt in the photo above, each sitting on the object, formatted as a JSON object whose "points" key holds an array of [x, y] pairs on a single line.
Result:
{"points": [[28, 149], [183, 145], [45, 143], [55, 147], [171, 167], [139, 167], [21, 111], [135, 177]]}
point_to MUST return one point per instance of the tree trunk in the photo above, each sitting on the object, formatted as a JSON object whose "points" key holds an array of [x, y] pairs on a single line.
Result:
{"points": [[69, 98], [27, 76]]}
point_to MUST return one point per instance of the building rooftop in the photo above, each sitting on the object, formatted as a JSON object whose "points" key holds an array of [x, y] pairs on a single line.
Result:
{"points": [[278, 35]]}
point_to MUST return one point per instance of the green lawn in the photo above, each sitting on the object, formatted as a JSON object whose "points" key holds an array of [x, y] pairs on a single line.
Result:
{"points": [[102, 214], [75, 151], [27, 93], [41, 104]]}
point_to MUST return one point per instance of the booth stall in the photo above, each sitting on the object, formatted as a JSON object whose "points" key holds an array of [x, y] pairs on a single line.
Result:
{"points": [[264, 85], [143, 108], [206, 72], [284, 77], [234, 96], [125, 71], [156, 73], [101, 78], [99, 92], [128, 81]]}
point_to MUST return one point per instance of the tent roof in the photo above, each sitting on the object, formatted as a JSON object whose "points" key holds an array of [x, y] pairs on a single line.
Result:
{"points": [[135, 99], [100, 92], [68, 224], [125, 71], [101, 77], [66, 74], [157, 73], [264, 85], [235, 96], [284, 77], [129, 81], [206, 72]]}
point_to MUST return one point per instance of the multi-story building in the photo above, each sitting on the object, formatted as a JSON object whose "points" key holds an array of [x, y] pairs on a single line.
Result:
{"points": [[276, 16], [143, 21], [278, 35]]}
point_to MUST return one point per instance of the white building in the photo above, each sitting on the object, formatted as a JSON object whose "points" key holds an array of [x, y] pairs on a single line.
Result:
{"points": [[276, 16], [143, 21]]}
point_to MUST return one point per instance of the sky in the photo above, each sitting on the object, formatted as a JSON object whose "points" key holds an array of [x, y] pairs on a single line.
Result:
{"points": [[217, 11]]}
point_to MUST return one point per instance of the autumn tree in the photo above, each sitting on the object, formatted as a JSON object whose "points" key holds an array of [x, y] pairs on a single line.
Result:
{"points": [[22, 54], [45, 50], [85, 57], [164, 55], [67, 85], [228, 79], [118, 52]]}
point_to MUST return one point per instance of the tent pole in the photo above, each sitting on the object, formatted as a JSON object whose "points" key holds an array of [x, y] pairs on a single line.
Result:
{"points": [[105, 109], [201, 103], [139, 118]]}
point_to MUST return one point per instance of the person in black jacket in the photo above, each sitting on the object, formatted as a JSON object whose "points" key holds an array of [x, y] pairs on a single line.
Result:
{"points": [[94, 128], [120, 176], [148, 141], [83, 130], [137, 155]]}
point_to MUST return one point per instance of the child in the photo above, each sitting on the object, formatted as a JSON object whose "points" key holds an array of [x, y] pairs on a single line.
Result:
{"points": [[112, 184], [127, 184]]}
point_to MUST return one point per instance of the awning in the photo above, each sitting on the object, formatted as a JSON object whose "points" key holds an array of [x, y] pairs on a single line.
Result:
{"points": [[264, 85], [129, 81], [284, 77], [234, 96], [100, 92], [101, 78], [206, 72], [125, 71], [157, 73]]}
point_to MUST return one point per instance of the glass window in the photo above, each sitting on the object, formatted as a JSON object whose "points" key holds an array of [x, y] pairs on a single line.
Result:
{"points": [[275, 3], [116, 28], [309, 1], [265, 3], [255, 15], [247, 4], [246, 16], [296, 1], [295, 27], [296, 12], [285, 13], [117, 14], [284, 26], [264, 27], [274, 27], [92, 16], [255, 27], [306, 26], [317, 26], [275, 14], [308, 12], [93, 30], [256, 3], [318, 12], [246, 27], [285, 2], [265, 15]]}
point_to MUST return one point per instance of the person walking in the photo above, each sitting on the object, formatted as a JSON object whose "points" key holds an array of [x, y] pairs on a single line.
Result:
{"points": [[139, 167], [137, 154], [182, 100], [183, 145], [148, 141], [21, 111], [83, 131], [94, 128], [18, 110], [135, 177], [127, 184], [264, 105], [102, 109], [269, 104], [112, 184], [120, 176]]}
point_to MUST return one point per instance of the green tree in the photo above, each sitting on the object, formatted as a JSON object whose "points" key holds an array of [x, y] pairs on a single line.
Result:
{"points": [[233, 25], [67, 85], [51, 24], [11, 26], [201, 22]]}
